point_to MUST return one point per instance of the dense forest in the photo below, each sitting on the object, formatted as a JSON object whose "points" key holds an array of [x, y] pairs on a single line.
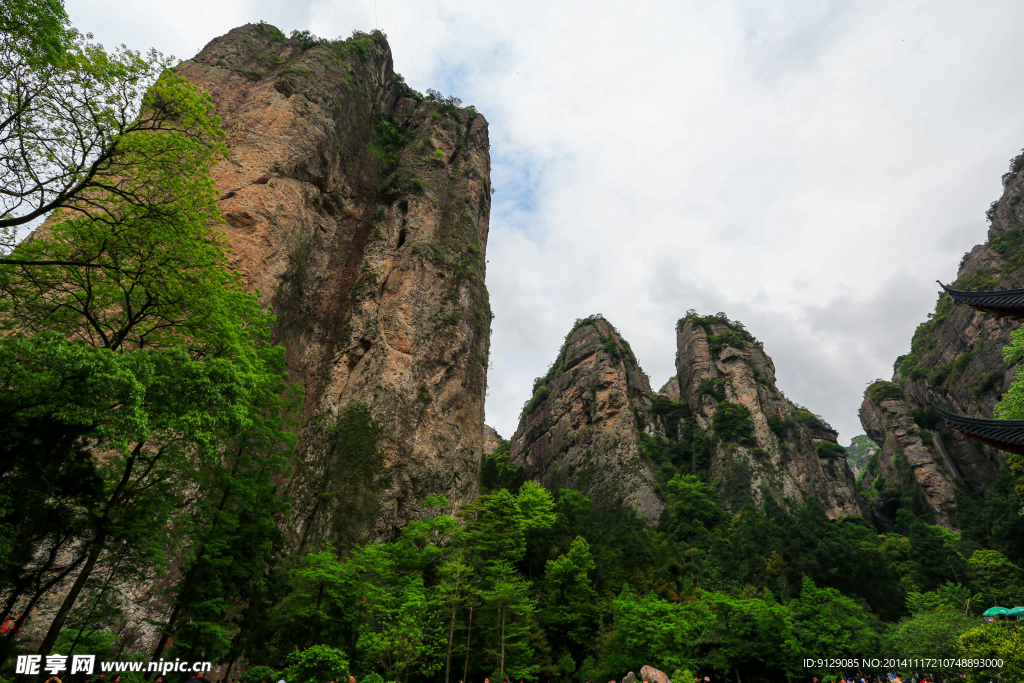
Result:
{"points": [[148, 432]]}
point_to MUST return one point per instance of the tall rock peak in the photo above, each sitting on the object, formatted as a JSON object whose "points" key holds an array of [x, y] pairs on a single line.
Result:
{"points": [[594, 424], [359, 210], [761, 444], [582, 427]]}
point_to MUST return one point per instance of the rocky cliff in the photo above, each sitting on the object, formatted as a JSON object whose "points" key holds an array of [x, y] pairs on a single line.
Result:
{"points": [[359, 210], [761, 444], [582, 427], [594, 424], [955, 362]]}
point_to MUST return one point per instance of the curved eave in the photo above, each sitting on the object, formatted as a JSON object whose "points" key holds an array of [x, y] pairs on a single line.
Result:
{"points": [[1006, 435], [1003, 303]]}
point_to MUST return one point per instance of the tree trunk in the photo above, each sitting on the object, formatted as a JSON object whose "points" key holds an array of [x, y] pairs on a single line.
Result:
{"points": [[737, 670], [72, 596], [469, 631], [99, 597], [102, 530], [451, 637], [186, 586], [502, 667], [227, 672]]}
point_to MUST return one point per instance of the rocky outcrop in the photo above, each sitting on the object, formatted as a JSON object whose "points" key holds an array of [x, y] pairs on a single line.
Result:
{"points": [[761, 444], [582, 427], [956, 363], [593, 424], [910, 457], [359, 210]]}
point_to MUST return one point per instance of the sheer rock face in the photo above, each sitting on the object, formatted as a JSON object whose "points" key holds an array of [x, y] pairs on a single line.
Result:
{"points": [[956, 363], [784, 464], [906, 459], [581, 429], [369, 247]]}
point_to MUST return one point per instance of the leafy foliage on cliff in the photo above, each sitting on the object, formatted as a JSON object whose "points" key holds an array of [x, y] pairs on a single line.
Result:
{"points": [[732, 422], [136, 373], [736, 335]]}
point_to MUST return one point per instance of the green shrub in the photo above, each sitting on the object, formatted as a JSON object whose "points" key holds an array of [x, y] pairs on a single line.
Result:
{"points": [[779, 426], [373, 678], [732, 422], [1016, 164], [539, 396], [386, 143], [316, 664], [713, 387], [990, 380], [610, 347], [307, 39], [829, 450], [725, 338], [811, 420], [671, 414], [255, 674], [272, 32], [707, 321], [499, 472], [880, 390]]}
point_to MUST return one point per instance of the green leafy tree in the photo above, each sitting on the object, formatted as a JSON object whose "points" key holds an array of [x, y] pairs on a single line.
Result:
{"points": [[231, 538], [124, 302], [997, 580], [753, 635], [316, 664], [949, 597], [508, 610], [994, 642], [404, 629], [825, 620], [652, 629], [316, 594], [72, 117], [456, 589], [570, 611], [931, 634]]}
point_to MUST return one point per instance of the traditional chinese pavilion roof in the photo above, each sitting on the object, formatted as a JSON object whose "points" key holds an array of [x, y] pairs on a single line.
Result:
{"points": [[1006, 435], [1007, 303]]}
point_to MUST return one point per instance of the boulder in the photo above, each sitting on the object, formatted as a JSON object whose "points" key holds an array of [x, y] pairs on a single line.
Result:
{"points": [[651, 675]]}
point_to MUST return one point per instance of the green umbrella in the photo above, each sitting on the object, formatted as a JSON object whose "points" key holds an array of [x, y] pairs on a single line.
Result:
{"points": [[1016, 612], [995, 612]]}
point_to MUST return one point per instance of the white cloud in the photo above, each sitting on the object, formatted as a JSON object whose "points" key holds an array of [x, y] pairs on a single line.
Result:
{"points": [[808, 168]]}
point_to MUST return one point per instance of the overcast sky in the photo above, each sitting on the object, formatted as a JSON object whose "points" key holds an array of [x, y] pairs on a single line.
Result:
{"points": [[809, 168]]}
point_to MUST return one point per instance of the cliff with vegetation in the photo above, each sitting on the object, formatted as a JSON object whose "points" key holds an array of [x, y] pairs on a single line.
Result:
{"points": [[956, 363], [359, 210], [594, 424], [583, 426], [753, 440]]}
